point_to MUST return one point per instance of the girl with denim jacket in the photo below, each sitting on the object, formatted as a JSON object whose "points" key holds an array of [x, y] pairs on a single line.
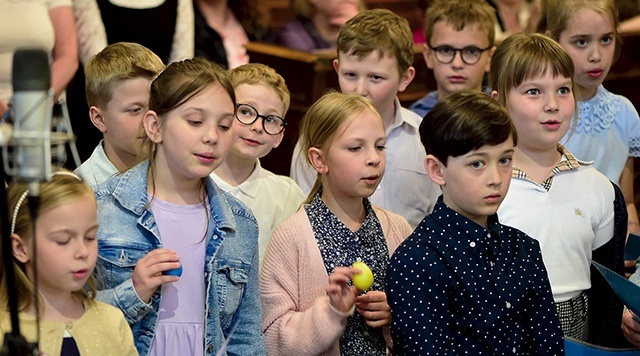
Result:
{"points": [[166, 214]]}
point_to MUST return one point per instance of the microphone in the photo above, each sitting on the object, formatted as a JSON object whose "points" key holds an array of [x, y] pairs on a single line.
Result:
{"points": [[32, 109]]}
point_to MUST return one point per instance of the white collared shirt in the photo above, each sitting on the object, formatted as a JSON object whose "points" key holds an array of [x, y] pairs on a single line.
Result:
{"points": [[98, 168], [271, 197]]}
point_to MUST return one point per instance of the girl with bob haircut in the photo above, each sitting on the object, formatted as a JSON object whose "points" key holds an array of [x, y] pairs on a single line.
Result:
{"points": [[565, 204]]}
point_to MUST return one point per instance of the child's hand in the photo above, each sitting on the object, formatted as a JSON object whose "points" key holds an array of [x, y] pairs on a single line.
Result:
{"points": [[147, 276], [631, 328], [374, 308], [341, 296]]}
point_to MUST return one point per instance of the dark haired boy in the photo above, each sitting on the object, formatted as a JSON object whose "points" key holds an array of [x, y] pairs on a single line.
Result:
{"points": [[463, 283]]}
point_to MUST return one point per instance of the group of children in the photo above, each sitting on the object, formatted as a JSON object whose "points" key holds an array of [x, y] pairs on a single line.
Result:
{"points": [[478, 224]]}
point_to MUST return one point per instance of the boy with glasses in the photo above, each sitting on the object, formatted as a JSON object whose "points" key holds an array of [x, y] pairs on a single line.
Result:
{"points": [[460, 42], [262, 101]]}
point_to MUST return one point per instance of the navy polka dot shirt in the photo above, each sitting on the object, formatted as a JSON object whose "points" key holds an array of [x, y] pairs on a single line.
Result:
{"points": [[456, 288]]}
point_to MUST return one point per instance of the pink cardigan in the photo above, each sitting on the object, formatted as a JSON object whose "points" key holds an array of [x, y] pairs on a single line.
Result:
{"points": [[297, 319]]}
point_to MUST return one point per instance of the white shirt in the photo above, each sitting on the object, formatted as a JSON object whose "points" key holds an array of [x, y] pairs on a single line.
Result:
{"points": [[405, 189], [98, 168], [271, 197], [570, 220]]}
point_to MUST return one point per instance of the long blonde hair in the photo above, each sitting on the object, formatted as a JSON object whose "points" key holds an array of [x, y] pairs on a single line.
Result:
{"points": [[323, 119], [63, 188]]}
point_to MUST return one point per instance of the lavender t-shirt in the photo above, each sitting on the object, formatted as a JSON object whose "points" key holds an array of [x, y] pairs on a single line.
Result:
{"points": [[180, 328]]}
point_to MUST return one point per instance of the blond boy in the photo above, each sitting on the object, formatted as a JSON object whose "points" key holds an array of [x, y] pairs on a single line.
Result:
{"points": [[262, 101], [375, 57], [460, 42], [118, 80]]}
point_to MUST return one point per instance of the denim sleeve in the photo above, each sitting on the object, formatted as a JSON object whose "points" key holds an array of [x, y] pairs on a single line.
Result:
{"points": [[248, 338], [124, 296]]}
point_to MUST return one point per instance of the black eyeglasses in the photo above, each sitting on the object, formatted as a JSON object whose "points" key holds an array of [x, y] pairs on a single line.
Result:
{"points": [[470, 54], [247, 115]]}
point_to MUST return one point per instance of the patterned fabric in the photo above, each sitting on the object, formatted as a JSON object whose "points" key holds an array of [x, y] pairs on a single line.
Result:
{"points": [[340, 246], [597, 115], [455, 288], [607, 132], [574, 317], [567, 163]]}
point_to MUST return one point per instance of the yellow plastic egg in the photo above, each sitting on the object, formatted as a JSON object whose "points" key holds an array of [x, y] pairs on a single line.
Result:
{"points": [[363, 280]]}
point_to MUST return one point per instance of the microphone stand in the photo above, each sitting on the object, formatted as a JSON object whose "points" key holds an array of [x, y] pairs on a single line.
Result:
{"points": [[14, 343]]}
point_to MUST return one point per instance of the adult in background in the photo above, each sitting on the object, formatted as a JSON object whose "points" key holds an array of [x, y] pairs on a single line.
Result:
{"points": [[317, 23], [46, 24]]}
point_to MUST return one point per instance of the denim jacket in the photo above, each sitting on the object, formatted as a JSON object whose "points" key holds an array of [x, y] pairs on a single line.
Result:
{"points": [[128, 231]]}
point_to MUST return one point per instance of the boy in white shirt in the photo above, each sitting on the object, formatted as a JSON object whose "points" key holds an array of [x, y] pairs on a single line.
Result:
{"points": [[118, 80], [262, 99], [375, 56]]}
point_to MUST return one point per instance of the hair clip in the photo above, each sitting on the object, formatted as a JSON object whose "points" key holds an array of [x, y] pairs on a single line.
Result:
{"points": [[66, 173], [153, 80], [17, 208]]}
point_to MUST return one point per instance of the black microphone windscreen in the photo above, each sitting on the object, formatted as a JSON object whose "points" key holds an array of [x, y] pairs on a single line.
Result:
{"points": [[31, 70]]}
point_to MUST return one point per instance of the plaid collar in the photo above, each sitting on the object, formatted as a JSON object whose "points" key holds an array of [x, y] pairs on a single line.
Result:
{"points": [[567, 162]]}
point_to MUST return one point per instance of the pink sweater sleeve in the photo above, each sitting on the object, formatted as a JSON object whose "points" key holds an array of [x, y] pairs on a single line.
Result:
{"points": [[297, 319]]}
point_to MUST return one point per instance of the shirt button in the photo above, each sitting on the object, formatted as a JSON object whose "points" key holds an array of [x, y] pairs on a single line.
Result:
{"points": [[472, 244], [514, 350], [508, 305]]}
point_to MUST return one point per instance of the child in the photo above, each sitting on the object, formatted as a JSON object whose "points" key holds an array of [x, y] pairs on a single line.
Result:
{"points": [[565, 204], [459, 46], [375, 52], [117, 84], [166, 213], [608, 129], [307, 297], [72, 322], [463, 282], [263, 101]]}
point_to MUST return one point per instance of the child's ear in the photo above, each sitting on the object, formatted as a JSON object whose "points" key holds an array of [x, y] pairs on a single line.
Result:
{"points": [[316, 157], [97, 119], [406, 78], [151, 124], [20, 251], [278, 139], [494, 95], [434, 169], [336, 65], [426, 53], [490, 51]]}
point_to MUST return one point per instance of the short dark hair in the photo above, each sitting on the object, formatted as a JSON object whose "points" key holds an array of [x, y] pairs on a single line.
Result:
{"points": [[465, 121]]}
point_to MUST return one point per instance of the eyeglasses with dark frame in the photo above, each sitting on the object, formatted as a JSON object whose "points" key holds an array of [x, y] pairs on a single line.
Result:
{"points": [[470, 54], [247, 115]]}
